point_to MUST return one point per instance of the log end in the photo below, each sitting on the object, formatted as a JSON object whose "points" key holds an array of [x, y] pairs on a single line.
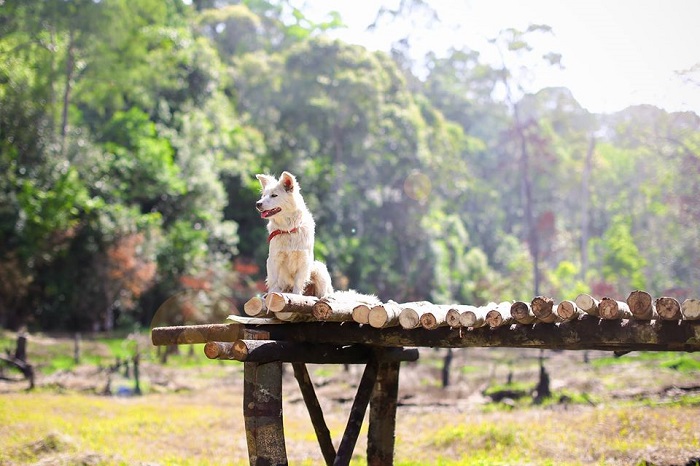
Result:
{"points": [[275, 302], [452, 318], [254, 307], [428, 321], [668, 308], [360, 314], [377, 316], [409, 318], [322, 310]]}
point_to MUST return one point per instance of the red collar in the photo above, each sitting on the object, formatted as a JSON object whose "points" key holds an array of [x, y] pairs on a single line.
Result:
{"points": [[279, 232]]}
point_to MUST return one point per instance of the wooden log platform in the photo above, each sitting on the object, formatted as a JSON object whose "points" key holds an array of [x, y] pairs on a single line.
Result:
{"points": [[263, 344]]}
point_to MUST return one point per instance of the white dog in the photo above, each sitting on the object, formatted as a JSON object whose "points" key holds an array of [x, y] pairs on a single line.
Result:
{"points": [[290, 263]]}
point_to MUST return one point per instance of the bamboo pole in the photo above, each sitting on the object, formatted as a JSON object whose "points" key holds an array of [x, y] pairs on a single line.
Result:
{"points": [[384, 315], [641, 305], [691, 309], [587, 304], [522, 313], [668, 308], [613, 310]]}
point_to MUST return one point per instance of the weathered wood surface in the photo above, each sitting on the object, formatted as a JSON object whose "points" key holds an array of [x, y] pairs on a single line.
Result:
{"points": [[190, 334], [360, 313], [357, 414], [382, 415], [262, 413], [314, 353], [436, 317], [323, 434], [588, 332]]}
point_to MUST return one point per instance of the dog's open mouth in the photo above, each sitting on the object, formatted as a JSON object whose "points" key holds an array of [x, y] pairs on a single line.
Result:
{"points": [[270, 213]]}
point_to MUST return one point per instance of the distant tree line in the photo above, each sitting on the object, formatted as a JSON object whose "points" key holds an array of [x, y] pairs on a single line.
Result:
{"points": [[130, 133]]}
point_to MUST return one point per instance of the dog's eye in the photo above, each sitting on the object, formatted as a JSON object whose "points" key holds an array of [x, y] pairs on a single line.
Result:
{"points": [[273, 195]]}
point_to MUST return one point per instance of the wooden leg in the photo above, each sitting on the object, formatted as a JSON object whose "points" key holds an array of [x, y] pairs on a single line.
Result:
{"points": [[357, 414], [382, 415], [262, 411], [322, 433]]}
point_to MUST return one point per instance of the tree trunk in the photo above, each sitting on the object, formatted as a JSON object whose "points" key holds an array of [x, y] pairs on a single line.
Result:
{"points": [[585, 196], [70, 68]]}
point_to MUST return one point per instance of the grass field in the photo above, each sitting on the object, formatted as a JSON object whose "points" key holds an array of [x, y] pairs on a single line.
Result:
{"points": [[639, 409]]}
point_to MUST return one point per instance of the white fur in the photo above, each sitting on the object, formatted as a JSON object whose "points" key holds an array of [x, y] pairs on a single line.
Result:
{"points": [[290, 263]]}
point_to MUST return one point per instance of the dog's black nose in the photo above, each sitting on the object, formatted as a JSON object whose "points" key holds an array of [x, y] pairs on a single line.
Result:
{"points": [[258, 204]]}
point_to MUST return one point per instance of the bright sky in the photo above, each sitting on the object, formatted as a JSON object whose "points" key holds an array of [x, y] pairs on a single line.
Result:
{"points": [[615, 52]]}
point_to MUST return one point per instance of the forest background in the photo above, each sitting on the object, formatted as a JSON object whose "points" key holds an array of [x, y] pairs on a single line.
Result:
{"points": [[130, 134]]}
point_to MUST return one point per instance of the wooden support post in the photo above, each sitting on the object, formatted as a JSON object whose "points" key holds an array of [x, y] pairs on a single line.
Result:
{"points": [[382, 415], [315, 412], [357, 415], [262, 412]]}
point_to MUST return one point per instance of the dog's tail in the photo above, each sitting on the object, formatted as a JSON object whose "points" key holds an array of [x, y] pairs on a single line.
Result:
{"points": [[319, 282]]}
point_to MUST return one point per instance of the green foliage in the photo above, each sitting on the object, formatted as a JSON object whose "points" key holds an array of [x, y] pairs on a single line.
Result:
{"points": [[130, 134]]}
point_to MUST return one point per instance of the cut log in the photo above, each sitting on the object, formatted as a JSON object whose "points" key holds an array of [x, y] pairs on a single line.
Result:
{"points": [[411, 312], [522, 313], [384, 315], [339, 306], [568, 310], [475, 317], [267, 351], [452, 317], [435, 318], [613, 310], [360, 314], [588, 304], [543, 308], [499, 315], [668, 308], [691, 309], [641, 305], [288, 302], [255, 307]]}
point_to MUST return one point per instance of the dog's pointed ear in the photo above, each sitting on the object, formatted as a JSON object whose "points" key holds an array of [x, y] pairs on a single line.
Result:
{"points": [[265, 179], [288, 181]]}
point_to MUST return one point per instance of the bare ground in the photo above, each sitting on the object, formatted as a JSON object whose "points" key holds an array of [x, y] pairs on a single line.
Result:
{"points": [[629, 411]]}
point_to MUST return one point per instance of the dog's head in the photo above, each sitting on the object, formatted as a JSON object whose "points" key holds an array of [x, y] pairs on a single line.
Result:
{"points": [[278, 196]]}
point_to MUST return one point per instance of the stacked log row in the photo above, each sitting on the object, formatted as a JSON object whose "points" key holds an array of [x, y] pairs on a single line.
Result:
{"points": [[368, 310]]}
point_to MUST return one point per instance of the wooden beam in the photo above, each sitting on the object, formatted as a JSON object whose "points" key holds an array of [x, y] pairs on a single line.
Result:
{"points": [[262, 412], [357, 415], [588, 332], [382, 415], [315, 412], [190, 334]]}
